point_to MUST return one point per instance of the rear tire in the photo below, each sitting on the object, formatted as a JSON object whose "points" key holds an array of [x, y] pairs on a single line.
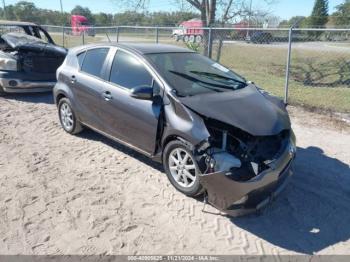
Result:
{"points": [[2, 92], [192, 39], [181, 168], [68, 118], [186, 38], [198, 39]]}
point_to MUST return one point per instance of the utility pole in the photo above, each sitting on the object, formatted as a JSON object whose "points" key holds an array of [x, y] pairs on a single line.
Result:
{"points": [[62, 21], [249, 15], [4, 4]]}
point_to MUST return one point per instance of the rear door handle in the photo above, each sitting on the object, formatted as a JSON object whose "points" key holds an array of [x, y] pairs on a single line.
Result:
{"points": [[107, 95], [73, 79]]}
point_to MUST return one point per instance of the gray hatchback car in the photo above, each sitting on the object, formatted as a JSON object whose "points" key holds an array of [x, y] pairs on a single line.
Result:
{"points": [[214, 132]]}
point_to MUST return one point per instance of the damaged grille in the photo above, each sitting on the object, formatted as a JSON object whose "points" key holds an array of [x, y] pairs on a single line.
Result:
{"points": [[254, 152], [41, 64]]}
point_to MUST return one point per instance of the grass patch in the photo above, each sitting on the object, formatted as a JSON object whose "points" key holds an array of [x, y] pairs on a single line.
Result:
{"points": [[318, 79], [72, 41]]}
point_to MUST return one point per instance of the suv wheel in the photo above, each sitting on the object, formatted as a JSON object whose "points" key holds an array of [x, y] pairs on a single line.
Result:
{"points": [[67, 117], [181, 168], [2, 92]]}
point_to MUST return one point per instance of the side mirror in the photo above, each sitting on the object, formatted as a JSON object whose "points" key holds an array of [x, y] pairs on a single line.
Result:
{"points": [[142, 92]]}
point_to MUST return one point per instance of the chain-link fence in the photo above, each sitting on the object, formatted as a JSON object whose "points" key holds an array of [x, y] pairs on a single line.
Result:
{"points": [[304, 66]]}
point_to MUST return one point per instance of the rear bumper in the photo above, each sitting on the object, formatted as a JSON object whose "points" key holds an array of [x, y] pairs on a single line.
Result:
{"points": [[237, 198], [15, 85]]}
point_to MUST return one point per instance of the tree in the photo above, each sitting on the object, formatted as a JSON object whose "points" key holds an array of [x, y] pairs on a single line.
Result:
{"points": [[103, 19], [298, 21], [206, 8], [341, 16], [26, 11], [84, 11], [319, 15]]}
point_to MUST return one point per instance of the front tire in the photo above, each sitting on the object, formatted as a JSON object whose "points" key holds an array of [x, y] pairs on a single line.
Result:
{"points": [[68, 118], [181, 168]]}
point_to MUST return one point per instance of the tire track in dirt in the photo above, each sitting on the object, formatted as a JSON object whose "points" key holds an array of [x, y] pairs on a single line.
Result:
{"points": [[219, 228], [88, 190]]}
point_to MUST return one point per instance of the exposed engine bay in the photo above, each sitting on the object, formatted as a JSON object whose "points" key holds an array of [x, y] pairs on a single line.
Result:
{"points": [[28, 54], [241, 172], [244, 155]]}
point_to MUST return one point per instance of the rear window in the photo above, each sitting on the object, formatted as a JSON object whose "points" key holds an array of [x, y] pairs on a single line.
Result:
{"points": [[94, 60]]}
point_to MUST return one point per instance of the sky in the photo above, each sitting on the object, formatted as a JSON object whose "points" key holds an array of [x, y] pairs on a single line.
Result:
{"points": [[282, 8]]}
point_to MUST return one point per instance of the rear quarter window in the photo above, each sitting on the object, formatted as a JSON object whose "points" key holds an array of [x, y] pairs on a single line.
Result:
{"points": [[81, 59], [94, 60]]}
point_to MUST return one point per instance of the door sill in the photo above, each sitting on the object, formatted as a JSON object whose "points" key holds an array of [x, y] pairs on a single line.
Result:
{"points": [[118, 140]]}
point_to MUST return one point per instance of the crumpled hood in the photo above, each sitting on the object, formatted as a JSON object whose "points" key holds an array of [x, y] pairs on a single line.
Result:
{"points": [[20, 41], [246, 109]]}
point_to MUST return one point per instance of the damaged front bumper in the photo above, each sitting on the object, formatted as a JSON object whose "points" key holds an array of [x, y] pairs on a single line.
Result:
{"points": [[237, 198], [17, 85]]}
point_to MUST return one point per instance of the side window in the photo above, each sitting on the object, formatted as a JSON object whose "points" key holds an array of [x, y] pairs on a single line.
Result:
{"points": [[42, 35], [93, 61], [129, 72], [156, 88], [81, 58]]}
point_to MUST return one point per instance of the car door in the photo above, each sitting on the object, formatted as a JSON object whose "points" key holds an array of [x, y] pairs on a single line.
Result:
{"points": [[129, 119], [87, 85]]}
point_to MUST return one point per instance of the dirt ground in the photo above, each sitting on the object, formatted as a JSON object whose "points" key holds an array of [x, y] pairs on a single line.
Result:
{"points": [[63, 194]]}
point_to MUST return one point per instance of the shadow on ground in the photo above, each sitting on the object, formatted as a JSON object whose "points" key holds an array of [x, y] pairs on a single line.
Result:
{"points": [[92, 135], [45, 98], [313, 213]]}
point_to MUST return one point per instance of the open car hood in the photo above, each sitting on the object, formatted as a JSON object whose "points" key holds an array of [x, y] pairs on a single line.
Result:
{"points": [[247, 109], [20, 41]]}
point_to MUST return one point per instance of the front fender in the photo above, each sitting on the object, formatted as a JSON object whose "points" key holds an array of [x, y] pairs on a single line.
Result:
{"points": [[184, 123]]}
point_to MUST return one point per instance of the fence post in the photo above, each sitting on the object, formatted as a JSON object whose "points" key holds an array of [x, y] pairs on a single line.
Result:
{"points": [[210, 43], [83, 37], [117, 32], [286, 87], [157, 35], [63, 36]]}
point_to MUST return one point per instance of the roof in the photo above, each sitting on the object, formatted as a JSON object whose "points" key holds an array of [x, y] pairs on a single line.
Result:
{"points": [[140, 48], [147, 48], [16, 23]]}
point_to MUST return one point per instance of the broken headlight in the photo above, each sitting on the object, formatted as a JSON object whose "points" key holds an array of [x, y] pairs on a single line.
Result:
{"points": [[8, 63]]}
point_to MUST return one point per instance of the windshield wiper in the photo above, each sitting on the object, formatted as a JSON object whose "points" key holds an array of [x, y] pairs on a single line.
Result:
{"points": [[194, 79], [218, 76]]}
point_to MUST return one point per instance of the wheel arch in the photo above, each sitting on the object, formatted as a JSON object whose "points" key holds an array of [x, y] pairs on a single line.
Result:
{"points": [[58, 97], [62, 90]]}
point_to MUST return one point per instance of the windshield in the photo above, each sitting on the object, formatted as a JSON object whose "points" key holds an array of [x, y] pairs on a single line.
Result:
{"points": [[191, 74]]}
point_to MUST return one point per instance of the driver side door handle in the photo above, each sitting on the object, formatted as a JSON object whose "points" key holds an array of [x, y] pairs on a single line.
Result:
{"points": [[107, 95], [73, 79]]}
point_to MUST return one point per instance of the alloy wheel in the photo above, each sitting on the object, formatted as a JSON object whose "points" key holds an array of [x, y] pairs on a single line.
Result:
{"points": [[66, 117], [182, 167]]}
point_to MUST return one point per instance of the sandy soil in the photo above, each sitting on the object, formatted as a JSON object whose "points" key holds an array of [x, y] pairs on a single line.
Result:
{"points": [[63, 194]]}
